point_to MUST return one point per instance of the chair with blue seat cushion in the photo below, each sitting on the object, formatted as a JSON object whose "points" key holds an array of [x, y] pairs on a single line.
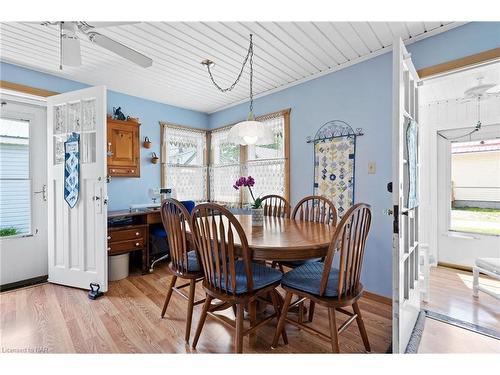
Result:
{"points": [[230, 275], [332, 287], [320, 210], [184, 263], [158, 236]]}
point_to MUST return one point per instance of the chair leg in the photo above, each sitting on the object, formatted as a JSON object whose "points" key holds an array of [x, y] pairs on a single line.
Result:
{"points": [[169, 294], [240, 312], [252, 315], [361, 326], [281, 322], [276, 306], [301, 313], [189, 317], [311, 310], [203, 317], [334, 334], [475, 282]]}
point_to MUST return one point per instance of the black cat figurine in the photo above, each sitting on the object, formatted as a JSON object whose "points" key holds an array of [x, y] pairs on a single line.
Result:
{"points": [[117, 112]]}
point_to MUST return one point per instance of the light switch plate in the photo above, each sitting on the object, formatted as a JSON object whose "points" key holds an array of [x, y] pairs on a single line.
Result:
{"points": [[372, 167]]}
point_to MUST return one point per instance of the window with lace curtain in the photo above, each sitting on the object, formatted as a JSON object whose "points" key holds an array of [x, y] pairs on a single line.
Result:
{"points": [[268, 164], [183, 159]]}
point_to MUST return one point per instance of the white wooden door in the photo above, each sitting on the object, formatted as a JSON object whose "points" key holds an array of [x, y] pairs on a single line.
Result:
{"points": [[406, 294], [77, 239]]}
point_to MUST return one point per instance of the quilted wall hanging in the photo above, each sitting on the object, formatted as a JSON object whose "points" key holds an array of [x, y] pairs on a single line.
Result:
{"points": [[334, 163]]}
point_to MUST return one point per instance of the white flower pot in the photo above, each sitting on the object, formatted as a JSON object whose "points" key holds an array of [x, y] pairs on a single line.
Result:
{"points": [[257, 217]]}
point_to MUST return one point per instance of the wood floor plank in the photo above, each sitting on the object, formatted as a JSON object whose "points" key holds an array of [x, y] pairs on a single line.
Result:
{"points": [[451, 294], [127, 320]]}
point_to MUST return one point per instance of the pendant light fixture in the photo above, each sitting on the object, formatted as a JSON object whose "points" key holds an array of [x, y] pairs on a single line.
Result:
{"points": [[250, 131]]}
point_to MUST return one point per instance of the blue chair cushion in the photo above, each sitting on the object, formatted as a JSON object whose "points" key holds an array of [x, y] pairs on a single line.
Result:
{"points": [[308, 277], [193, 265], [189, 205], [262, 277], [158, 232], [297, 263]]}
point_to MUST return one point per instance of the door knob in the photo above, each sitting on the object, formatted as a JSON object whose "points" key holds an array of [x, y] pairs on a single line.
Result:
{"points": [[388, 212]]}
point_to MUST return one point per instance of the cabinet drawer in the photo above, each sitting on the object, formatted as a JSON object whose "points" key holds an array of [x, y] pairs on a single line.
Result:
{"points": [[126, 234], [125, 246], [123, 171]]}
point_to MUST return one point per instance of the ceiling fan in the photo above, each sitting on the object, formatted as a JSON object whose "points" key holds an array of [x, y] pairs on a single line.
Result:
{"points": [[475, 93], [70, 52]]}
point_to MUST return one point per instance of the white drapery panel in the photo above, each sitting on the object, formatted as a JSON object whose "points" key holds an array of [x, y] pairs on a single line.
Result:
{"points": [[183, 162]]}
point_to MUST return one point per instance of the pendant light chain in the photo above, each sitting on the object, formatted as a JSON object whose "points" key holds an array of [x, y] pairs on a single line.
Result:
{"points": [[229, 88], [251, 74]]}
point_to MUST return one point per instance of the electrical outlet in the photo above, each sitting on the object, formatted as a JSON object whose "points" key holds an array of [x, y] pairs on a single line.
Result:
{"points": [[372, 167]]}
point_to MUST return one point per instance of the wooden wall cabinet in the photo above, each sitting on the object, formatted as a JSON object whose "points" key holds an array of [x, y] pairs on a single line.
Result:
{"points": [[123, 148]]}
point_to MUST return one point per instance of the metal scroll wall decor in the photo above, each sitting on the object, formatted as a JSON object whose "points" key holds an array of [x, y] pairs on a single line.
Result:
{"points": [[334, 163]]}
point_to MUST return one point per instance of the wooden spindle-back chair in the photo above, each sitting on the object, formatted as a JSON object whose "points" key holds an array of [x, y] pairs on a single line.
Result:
{"points": [[311, 208], [229, 271], [334, 288], [315, 208], [276, 206], [184, 261]]}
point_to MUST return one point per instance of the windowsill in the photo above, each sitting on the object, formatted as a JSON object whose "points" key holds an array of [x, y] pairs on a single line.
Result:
{"points": [[468, 235], [17, 236]]}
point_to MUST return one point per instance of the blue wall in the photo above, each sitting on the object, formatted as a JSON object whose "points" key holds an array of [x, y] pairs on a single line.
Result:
{"points": [[121, 191], [362, 96]]}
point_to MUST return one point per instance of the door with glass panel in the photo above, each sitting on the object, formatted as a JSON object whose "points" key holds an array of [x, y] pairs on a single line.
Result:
{"points": [[405, 197], [77, 213], [23, 201]]}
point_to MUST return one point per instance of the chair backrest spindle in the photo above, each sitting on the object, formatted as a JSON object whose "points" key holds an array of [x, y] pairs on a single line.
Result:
{"points": [[315, 208], [276, 206]]}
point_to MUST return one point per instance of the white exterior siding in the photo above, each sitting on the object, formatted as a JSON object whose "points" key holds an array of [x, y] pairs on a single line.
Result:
{"points": [[476, 176]]}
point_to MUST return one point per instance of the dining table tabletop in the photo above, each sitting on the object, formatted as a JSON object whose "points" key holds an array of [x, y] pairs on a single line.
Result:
{"points": [[283, 239]]}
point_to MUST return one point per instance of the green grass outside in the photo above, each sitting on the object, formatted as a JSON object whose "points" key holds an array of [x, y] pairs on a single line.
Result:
{"points": [[476, 220]]}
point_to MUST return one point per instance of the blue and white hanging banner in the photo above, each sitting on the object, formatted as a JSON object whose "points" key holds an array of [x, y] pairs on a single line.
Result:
{"points": [[72, 169]]}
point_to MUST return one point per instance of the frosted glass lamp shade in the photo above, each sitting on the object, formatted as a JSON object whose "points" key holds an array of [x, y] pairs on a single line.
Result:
{"points": [[250, 132]]}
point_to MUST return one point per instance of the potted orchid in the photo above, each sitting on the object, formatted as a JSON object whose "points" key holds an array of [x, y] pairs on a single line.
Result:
{"points": [[257, 209]]}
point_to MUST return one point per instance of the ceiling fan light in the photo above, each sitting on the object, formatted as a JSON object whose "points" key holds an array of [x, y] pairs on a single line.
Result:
{"points": [[71, 55]]}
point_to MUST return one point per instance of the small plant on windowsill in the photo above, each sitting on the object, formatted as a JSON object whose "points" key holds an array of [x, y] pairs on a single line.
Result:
{"points": [[257, 209]]}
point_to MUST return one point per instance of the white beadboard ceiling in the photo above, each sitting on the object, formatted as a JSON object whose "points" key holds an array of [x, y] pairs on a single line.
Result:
{"points": [[285, 53], [453, 86]]}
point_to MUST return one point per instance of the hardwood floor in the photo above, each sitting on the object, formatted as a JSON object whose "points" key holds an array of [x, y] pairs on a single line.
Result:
{"points": [[439, 337], [57, 319], [451, 294]]}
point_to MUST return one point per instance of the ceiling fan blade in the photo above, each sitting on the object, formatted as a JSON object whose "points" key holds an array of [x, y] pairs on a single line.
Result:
{"points": [[120, 49], [98, 24]]}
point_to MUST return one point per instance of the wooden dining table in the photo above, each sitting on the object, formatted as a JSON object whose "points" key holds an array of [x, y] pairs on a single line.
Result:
{"points": [[283, 239]]}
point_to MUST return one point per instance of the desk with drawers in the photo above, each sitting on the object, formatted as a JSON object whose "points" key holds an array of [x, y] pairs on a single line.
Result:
{"points": [[133, 235]]}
